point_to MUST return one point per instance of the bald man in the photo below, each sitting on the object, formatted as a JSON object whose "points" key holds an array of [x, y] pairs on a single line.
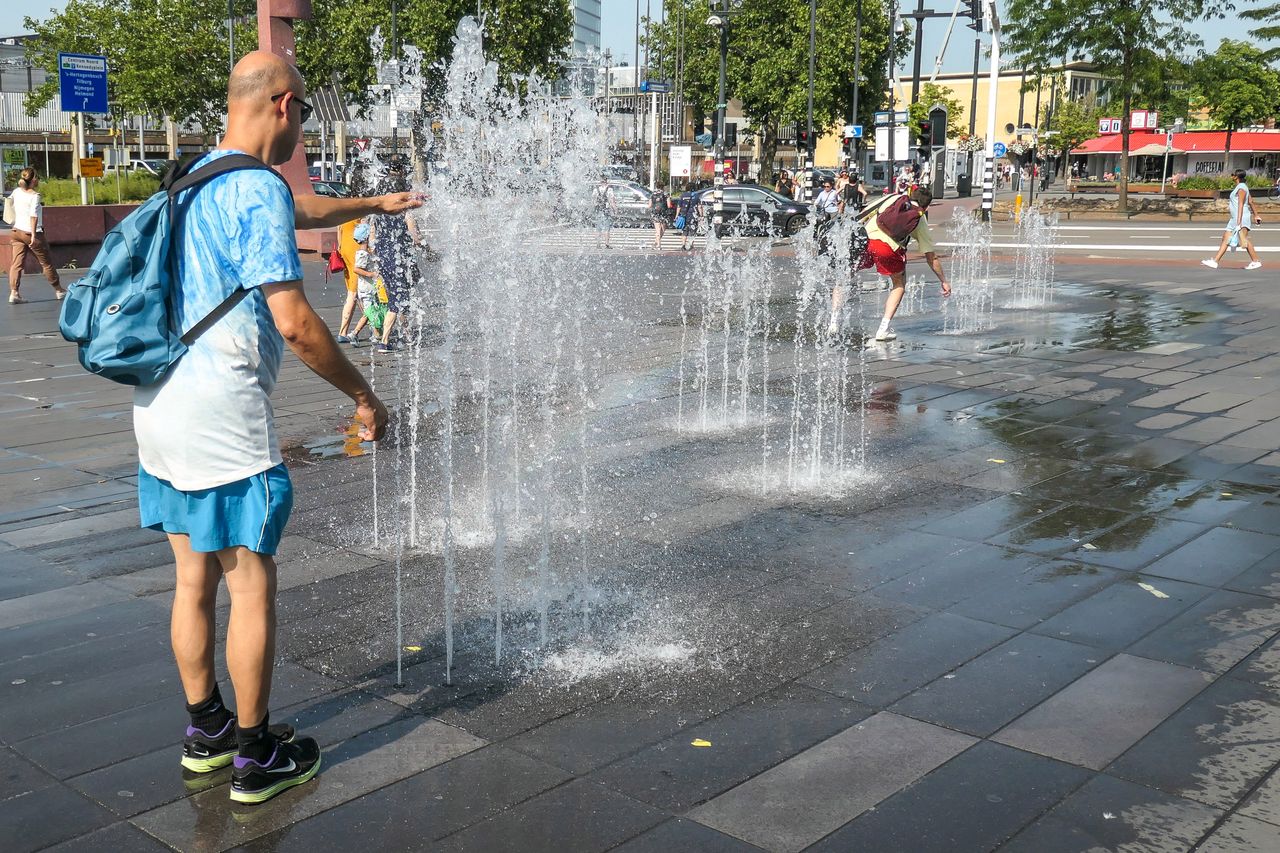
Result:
{"points": [[210, 472]]}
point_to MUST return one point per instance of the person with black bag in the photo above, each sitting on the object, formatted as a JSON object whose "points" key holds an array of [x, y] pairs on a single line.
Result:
{"points": [[660, 213]]}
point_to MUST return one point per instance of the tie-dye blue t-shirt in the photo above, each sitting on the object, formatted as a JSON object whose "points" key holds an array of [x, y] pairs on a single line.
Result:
{"points": [[209, 421]]}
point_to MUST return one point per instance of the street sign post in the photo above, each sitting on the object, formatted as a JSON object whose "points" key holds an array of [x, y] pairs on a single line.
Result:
{"points": [[853, 131], [681, 161], [655, 87], [999, 150], [82, 83], [901, 141], [91, 167], [899, 117]]}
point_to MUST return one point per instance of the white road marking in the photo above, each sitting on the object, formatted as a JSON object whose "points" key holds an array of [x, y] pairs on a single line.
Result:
{"points": [[1119, 247]]}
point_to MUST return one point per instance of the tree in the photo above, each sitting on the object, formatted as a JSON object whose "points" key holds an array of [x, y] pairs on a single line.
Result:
{"points": [[769, 60], [164, 57], [1120, 36], [1238, 87], [932, 93], [1269, 31], [522, 36], [1073, 122]]}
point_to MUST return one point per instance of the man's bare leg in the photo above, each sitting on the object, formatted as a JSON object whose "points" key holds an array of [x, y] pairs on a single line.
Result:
{"points": [[251, 633], [892, 302], [191, 627]]}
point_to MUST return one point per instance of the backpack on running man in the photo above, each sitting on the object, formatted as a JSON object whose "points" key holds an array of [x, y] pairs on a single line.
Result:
{"points": [[899, 218], [119, 313]]}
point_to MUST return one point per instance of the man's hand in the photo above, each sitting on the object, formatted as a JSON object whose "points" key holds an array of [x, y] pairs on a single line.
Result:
{"points": [[394, 203], [373, 415], [946, 288]]}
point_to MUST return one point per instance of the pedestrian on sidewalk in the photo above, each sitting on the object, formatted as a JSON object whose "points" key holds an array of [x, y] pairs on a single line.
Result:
{"points": [[1243, 216], [28, 236], [210, 472], [606, 205], [687, 213], [784, 186], [827, 205], [347, 248], [373, 311], [394, 241], [660, 214]]}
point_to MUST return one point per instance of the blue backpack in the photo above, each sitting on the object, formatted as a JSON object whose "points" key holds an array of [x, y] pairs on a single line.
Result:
{"points": [[119, 312]]}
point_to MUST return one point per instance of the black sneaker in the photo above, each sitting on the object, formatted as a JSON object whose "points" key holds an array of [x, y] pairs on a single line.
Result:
{"points": [[289, 765], [204, 753]]}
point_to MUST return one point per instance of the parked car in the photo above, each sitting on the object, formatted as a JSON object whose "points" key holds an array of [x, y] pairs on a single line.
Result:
{"points": [[151, 167], [331, 189], [758, 210], [337, 171]]}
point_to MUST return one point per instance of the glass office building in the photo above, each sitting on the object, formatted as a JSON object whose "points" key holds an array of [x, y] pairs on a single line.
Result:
{"points": [[586, 27]]}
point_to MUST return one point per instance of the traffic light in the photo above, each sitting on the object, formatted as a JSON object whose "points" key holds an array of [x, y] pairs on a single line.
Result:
{"points": [[802, 135], [937, 126], [730, 135], [925, 135], [973, 11]]}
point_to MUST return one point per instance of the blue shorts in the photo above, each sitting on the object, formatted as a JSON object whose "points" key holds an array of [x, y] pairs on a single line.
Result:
{"points": [[249, 513]]}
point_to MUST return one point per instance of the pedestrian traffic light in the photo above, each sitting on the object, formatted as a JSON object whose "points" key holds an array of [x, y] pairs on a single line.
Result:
{"points": [[926, 133], [802, 135], [730, 134]]}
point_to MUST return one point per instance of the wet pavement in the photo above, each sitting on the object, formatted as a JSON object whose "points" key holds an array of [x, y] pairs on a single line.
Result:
{"points": [[1047, 622]]}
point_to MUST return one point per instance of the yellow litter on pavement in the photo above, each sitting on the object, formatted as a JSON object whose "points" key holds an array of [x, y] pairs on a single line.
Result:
{"points": [[997, 461], [413, 648], [1151, 589], [700, 742]]}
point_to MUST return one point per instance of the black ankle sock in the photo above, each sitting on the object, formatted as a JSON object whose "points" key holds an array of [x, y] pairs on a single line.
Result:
{"points": [[255, 742], [210, 716]]}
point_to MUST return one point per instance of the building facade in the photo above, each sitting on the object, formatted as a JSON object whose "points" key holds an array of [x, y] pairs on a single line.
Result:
{"points": [[586, 27]]}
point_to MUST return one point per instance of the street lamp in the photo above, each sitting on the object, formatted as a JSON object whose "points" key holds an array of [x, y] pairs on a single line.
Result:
{"points": [[45, 134], [721, 12]]}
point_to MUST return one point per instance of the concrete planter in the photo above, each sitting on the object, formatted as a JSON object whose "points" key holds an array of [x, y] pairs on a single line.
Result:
{"points": [[1177, 193], [75, 233]]}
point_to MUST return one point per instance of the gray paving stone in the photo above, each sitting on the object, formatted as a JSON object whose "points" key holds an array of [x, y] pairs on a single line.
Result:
{"points": [[1216, 557], [1137, 542], [1214, 750], [71, 528], [974, 802], [1105, 712], [411, 814], [353, 768], [1035, 595], [580, 816], [994, 688], [118, 836], [1115, 815], [54, 603], [1215, 634], [19, 777], [1062, 530], [1264, 802], [685, 836], [806, 797], [675, 775], [1239, 834], [940, 584], [890, 668], [46, 816], [1119, 614]]}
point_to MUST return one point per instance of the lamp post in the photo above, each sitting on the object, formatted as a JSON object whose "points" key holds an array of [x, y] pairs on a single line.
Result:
{"points": [[721, 11], [45, 133], [857, 75], [809, 146]]}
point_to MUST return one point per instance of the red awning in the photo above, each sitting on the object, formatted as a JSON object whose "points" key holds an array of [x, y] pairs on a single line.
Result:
{"points": [[1192, 142]]}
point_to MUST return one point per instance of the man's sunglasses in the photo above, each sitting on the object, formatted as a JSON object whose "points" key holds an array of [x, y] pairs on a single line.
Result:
{"points": [[307, 109]]}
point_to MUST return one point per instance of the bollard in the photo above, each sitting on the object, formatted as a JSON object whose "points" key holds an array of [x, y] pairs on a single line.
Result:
{"points": [[1017, 208]]}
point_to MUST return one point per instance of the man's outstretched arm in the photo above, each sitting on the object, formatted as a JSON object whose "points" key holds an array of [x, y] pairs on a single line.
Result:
{"points": [[315, 211]]}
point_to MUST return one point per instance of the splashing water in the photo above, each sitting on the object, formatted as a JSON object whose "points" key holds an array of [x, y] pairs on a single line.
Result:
{"points": [[971, 305], [1033, 265]]}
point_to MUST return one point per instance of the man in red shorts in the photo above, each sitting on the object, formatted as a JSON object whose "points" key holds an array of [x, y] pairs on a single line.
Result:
{"points": [[889, 257]]}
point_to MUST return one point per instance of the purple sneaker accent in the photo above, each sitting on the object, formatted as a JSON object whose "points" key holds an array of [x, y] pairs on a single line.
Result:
{"points": [[192, 731], [241, 762]]}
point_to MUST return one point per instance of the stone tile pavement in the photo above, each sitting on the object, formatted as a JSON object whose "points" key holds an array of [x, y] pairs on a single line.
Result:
{"points": [[1053, 628]]}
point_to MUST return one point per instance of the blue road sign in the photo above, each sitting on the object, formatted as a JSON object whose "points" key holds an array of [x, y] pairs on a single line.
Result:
{"points": [[82, 83], [999, 149], [857, 131], [654, 86]]}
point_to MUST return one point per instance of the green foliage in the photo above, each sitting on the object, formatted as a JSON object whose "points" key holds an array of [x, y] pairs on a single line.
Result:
{"points": [[1237, 85], [932, 93], [134, 187], [1269, 14], [1221, 181], [522, 36], [1199, 182], [164, 57], [769, 61], [1127, 39], [1075, 121]]}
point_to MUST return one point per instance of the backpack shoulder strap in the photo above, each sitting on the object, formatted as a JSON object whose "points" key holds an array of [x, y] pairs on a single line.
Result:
{"points": [[220, 166]]}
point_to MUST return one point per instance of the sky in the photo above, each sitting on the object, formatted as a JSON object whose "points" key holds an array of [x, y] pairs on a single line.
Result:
{"points": [[620, 21]]}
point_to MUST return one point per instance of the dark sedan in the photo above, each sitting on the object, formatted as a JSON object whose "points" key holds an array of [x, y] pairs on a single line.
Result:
{"points": [[754, 209]]}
